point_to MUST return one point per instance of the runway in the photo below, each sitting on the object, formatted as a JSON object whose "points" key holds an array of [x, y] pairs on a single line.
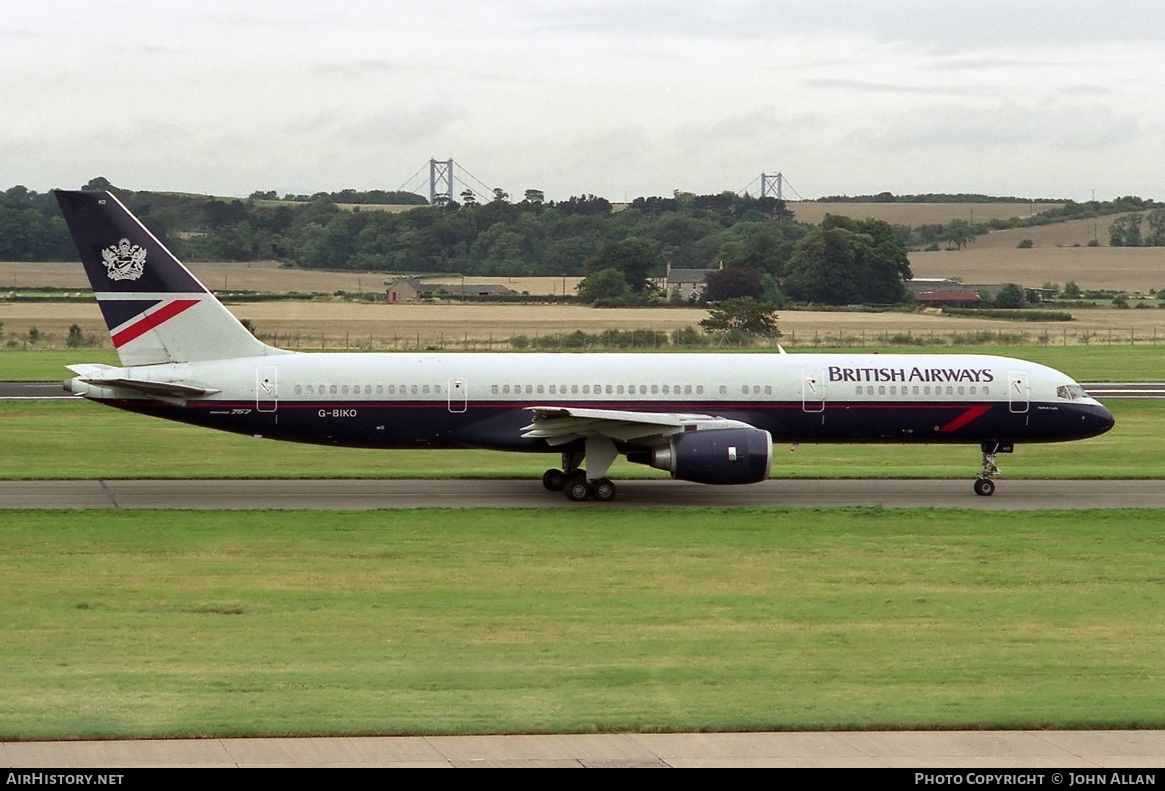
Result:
{"points": [[1089, 751], [347, 494]]}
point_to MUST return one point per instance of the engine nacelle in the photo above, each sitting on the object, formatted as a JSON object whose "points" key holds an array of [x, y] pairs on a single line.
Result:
{"points": [[717, 456]]}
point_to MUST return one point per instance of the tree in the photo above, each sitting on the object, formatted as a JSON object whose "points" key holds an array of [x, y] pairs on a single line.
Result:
{"points": [[843, 261], [959, 233], [722, 284], [1156, 220], [1125, 231], [1071, 290], [584, 204], [761, 248], [605, 286], [634, 258], [1010, 295], [220, 214], [745, 315]]}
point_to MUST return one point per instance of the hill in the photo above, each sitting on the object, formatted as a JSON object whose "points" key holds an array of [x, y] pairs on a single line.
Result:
{"points": [[914, 214], [1132, 269], [1059, 252]]}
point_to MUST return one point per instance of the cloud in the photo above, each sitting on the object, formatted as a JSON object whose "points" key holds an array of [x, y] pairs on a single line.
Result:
{"points": [[425, 119], [1005, 126]]}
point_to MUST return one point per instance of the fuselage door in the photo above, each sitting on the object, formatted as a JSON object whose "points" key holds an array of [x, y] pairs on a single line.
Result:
{"points": [[266, 389], [1018, 393], [457, 395], [813, 390]]}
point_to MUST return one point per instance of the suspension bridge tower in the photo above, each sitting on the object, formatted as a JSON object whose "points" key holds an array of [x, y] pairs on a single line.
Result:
{"points": [[440, 180]]}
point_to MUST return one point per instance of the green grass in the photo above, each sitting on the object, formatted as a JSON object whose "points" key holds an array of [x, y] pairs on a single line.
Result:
{"points": [[1096, 363], [1116, 363], [88, 440], [169, 624], [46, 365]]}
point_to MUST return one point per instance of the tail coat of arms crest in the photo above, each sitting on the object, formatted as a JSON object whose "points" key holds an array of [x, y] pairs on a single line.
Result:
{"points": [[124, 261]]}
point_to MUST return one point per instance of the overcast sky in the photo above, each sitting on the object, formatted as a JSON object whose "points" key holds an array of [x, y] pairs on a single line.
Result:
{"points": [[618, 98]]}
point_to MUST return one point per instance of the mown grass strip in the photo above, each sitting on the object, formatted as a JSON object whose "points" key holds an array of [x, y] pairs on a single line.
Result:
{"points": [[87, 440]]}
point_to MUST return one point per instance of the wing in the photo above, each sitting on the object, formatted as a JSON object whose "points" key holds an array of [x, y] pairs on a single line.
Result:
{"points": [[560, 425]]}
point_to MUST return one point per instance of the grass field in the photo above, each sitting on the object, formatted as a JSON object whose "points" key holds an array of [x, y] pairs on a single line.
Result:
{"points": [[1093, 363], [173, 624], [87, 440], [332, 325]]}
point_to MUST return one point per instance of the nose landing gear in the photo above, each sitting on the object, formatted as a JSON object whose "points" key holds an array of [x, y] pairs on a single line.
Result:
{"points": [[984, 486]]}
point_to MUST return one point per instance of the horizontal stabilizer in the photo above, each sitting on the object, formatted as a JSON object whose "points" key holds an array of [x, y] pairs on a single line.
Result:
{"points": [[109, 376], [170, 389]]}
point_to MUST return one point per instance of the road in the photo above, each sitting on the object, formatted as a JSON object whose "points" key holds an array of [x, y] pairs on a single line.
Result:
{"points": [[1085, 752]]}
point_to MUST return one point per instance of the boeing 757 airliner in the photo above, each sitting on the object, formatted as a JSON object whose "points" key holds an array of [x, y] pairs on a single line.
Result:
{"points": [[708, 418]]}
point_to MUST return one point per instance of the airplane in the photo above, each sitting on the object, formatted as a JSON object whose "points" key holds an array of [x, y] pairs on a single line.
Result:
{"points": [[707, 418]]}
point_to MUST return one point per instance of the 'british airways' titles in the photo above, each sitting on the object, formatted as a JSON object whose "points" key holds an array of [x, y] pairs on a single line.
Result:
{"points": [[838, 373]]}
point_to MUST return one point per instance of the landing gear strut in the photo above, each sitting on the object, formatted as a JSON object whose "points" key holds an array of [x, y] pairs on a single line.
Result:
{"points": [[984, 486], [576, 482], [556, 480]]}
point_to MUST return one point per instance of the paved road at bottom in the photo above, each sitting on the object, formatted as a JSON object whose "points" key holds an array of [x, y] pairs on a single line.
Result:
{"points": [[1088, 752]]}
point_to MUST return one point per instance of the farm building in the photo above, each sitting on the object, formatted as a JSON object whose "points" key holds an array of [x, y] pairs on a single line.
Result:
{"points": [[413, 290], [690, 282]]}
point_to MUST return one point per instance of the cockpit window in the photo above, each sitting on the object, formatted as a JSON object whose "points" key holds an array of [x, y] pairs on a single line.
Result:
{"points": [[1070, 392]]}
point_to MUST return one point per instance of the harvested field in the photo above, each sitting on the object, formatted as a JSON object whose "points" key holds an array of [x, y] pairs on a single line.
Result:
{"points": [[1074, 233], [1132, 269], [267, 276], [916, 213], [315, 325], [1060, 251]]}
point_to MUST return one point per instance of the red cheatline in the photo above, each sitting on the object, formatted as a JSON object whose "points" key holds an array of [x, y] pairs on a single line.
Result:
{"points": [[965, 418], [151, 320]]}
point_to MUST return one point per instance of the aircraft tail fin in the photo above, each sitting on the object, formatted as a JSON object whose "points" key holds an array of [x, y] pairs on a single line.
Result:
{"points": [[156, 310]]}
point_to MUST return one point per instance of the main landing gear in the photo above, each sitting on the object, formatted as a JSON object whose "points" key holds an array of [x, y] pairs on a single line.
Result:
{"points": [[578, 487], [984, 486], [576, 482]]}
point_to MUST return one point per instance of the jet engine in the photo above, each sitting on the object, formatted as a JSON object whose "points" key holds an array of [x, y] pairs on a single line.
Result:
{"points": [[717, 456]]}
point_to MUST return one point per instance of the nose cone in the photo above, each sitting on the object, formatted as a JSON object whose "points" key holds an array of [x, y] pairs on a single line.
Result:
{"points": [[1095, 419]]}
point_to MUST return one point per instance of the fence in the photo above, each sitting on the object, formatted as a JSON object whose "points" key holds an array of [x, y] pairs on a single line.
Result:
{"points": [[688, 338]]}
